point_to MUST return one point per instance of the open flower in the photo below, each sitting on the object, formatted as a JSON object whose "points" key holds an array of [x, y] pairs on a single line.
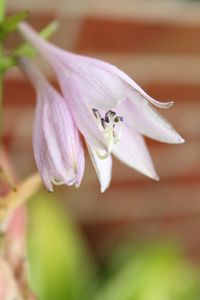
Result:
{"points": [[57, 147], [108, 107]]}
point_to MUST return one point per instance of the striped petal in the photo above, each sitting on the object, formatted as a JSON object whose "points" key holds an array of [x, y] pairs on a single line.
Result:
{"points": [[57, 147]]}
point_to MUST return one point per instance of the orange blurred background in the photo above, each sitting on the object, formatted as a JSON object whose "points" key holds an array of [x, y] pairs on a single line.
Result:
{"points": [[157, 42]]}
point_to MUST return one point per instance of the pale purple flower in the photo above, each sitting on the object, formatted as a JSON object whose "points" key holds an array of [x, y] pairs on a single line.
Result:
{"points": [[108, 107], [57, 146]]}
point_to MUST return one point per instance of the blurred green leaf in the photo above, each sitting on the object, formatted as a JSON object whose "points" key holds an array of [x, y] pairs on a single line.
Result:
{"points": [[10, 23], [59, 265], [25, 49], [154, 273]]}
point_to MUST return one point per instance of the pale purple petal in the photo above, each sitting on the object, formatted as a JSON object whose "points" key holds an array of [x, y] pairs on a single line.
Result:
{"points": [[100, 88], [39, 149], [133, 151], [81, 113], [57, 146], [143, 118], [135, 88], [103, 168]]}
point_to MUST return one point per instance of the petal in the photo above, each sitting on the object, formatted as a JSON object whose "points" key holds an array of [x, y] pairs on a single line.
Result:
{"points": [[63, 126], [56, 140], [101, 88], [82, 114], [81, 163], [142, 117], [132, 151], [51, 138], [103, 167], [135, 88], [108, 84], [39, 150]]}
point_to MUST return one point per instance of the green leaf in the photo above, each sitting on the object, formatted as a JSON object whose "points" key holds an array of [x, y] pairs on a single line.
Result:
{"points": [[25, 49], [156, 272], [59, 264], [10, 23]]}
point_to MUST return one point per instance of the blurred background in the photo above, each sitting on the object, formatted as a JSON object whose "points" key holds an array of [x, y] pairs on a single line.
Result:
{"points": [[157, 42]]}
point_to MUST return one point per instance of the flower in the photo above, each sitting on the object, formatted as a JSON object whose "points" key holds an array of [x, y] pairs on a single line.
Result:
{"points": [[111, 111], [57, 146]]}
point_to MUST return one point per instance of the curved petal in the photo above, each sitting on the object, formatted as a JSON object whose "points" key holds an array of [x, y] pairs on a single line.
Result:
{"points": [[142, 117], [108, 84], [102, 89], [132, 151], [135, 88], [103, 168]]}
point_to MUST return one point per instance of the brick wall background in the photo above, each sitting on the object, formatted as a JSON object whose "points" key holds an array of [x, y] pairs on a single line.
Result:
{"points": [[157, 42]]}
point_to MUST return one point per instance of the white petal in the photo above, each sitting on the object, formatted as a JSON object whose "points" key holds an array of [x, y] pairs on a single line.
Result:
{"points": [[103, 168], [132, 151], [142, 117]]}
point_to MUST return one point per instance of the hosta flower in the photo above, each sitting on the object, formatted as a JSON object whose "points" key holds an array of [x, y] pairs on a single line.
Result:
{"points": [[57, 147], [108, 107]]}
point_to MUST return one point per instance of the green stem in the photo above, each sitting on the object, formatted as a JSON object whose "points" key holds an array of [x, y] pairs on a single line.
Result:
{"points": [[2, 14], [2, 10]]}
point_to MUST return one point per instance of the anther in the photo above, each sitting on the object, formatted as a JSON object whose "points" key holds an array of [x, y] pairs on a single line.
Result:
{"points": [[108, 126], [103, 123], [118, 118], [96, 113]]}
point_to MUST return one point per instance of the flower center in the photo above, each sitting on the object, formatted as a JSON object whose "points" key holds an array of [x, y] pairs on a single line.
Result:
{"points": [[109, 126]]}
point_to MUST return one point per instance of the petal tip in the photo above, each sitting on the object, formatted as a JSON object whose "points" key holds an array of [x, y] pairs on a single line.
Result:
{"points": [[181, 140], [153, 176], [103, 189], [157, 178]]}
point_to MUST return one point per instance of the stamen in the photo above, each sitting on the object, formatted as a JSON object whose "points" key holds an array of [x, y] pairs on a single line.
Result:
{"points": [[108, 126], [96, 113]]}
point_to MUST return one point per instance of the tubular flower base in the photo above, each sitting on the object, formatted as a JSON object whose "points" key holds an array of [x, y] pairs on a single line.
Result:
{"points": [[110, 110]]}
